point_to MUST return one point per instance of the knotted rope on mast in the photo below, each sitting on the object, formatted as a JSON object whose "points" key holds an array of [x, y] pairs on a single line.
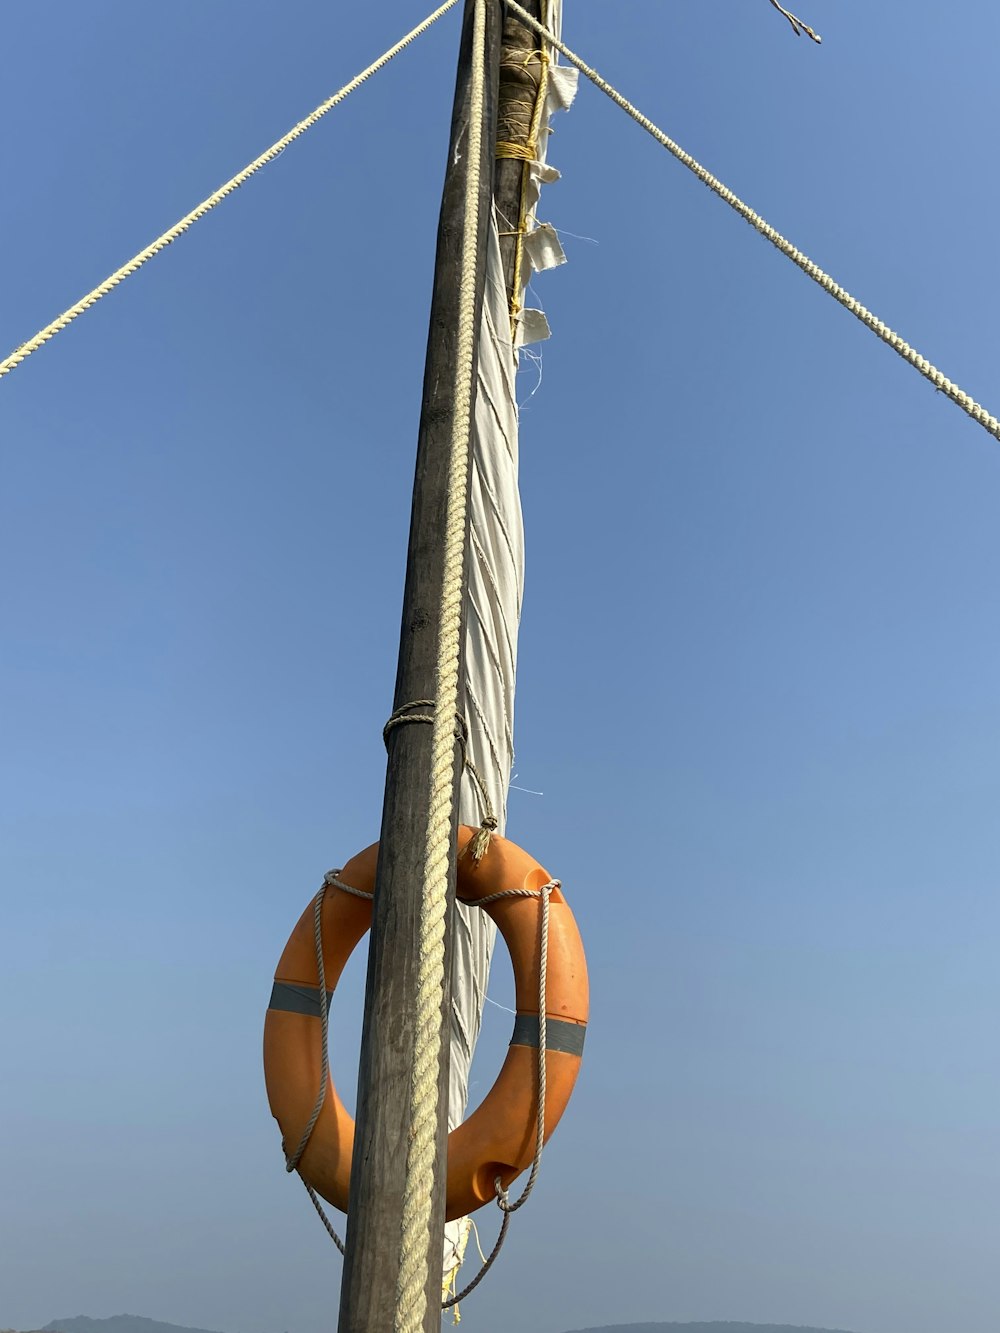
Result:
{"points": [[489, 823]]}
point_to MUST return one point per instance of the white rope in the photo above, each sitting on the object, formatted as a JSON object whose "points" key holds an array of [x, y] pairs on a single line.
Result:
{"points": [[415, 1223], [812, 270], [545, 896], [292, 1161], [136, 262]]}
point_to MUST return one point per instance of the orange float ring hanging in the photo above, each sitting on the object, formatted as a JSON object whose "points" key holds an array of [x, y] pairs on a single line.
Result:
{"points": [[499, 1138]]}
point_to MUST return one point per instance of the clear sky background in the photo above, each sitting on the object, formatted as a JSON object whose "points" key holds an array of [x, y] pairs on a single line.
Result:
{"points": [[760, 658]]}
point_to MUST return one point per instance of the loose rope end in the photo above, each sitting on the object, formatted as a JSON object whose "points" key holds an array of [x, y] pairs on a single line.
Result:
{"points": [[798, 27], [479, 844]]}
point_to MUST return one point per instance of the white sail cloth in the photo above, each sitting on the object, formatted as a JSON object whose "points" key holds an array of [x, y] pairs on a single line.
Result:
{"points": [[493, 609], [493, 605]]}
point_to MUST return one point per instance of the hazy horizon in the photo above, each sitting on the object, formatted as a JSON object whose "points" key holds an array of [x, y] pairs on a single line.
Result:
{"points": [[126, 1323]]}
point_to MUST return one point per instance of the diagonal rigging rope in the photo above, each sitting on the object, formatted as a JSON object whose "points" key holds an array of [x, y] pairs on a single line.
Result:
{"points": [[812, 270], [136, 262]]}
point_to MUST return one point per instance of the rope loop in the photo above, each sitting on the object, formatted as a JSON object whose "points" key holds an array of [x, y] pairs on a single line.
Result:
{"points": [[332, 880], [404, 714]]}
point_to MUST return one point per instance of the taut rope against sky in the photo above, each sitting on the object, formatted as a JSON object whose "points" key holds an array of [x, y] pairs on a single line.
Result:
{"points": [[881, 330], [930, 372], [136, 262]]}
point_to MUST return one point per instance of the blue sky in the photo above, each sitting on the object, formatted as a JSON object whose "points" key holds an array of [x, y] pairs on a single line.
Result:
{"points": [[759, 656]]}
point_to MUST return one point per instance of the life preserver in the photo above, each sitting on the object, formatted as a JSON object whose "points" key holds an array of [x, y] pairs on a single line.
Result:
{"points": [[498, 1139]]}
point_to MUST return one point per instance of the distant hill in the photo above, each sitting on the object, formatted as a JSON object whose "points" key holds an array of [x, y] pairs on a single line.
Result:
{"points": [[133, 1323], [723, 1327], [117, 1323]]}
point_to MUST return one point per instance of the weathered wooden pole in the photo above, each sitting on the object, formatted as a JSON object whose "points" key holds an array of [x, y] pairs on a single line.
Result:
{"points": [[372, 1259]]}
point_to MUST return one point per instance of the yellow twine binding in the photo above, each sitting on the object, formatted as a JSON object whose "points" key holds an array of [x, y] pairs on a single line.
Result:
{"points": [[517, 151], [538, 111]]}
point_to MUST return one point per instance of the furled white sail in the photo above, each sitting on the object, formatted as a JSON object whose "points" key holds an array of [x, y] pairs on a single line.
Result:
{"points": [[496, 580]]}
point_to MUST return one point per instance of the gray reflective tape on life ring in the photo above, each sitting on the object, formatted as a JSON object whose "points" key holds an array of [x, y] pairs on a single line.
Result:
{"points": [[559, 1034], [290, 999]]}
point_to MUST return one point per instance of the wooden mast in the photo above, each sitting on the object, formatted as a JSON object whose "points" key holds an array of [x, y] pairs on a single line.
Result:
{"points": [[372, 1258]]}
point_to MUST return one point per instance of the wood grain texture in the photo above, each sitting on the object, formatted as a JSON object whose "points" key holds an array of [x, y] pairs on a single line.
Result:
{"points": [[371, 1263]]}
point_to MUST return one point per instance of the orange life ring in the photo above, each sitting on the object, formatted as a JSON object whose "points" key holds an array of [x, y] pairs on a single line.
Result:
{"points": [[498, 1139]]}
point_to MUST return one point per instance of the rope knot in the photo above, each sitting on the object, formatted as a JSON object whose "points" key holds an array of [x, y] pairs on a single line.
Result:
{"points": [[405, 713], [479, 844]]}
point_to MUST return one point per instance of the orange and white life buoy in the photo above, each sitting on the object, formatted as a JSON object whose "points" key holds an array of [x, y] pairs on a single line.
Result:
{"points": [[499, 1137]]}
